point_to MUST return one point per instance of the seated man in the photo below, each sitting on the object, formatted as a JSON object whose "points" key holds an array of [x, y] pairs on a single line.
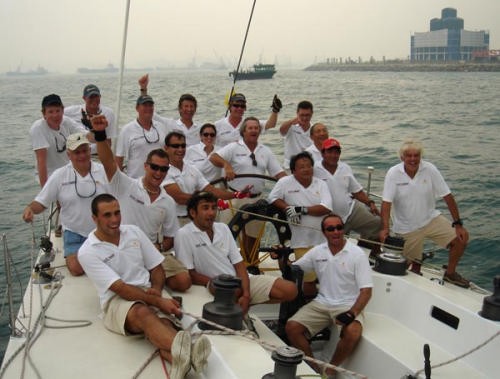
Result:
{"points": [[413, 186], [208, 249], [145, 203], [345, 287], [126, 269]]}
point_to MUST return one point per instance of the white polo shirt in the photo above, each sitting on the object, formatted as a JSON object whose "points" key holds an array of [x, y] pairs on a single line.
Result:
{"points": [[75, 194], [293, 193], [189, 180], [342, 184], [237, 154], [44, 137], [196, 251], [341, 276], [196, 156], [135, 143], [413, 200], [156, 218], [105, 263], [74, 112], [192, 133], [296, 140], [227, 133], [315, 153]]}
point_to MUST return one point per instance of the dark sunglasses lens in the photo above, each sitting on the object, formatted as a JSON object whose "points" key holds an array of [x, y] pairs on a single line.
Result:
{"points": [[208, 134], [333, 228], [178, 145], [239, 106], [156, 167]]}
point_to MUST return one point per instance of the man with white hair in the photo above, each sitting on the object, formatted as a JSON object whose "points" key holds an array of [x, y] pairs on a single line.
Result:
{"points": [[412, 186]]}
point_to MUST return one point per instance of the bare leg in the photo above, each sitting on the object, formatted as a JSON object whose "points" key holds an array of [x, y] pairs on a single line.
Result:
{"points": [[282, 290], [457, 249], [180, 282], [349, 339]]}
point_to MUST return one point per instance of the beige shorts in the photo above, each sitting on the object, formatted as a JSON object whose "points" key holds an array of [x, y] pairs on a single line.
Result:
{"points": [[438, 230], [172, 265], [116, 311], [253, 228], [299, 253], [316, 316]]}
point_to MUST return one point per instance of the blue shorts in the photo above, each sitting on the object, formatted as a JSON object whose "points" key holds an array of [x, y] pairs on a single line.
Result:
{"points": [[72, 242]]}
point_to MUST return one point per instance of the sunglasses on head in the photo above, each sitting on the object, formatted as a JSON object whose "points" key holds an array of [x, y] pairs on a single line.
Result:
{"points": [[208, 134], [239, 105], [178, 145], [156, 167], [332, 228]]}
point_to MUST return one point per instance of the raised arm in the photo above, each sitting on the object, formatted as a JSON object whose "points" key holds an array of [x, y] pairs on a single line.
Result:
{"points": [[99, 124], [287, 125]]}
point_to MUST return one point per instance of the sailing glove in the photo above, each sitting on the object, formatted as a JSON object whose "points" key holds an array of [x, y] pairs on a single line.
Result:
{"points": [[276, 105], [346, 317], [292, 215]]}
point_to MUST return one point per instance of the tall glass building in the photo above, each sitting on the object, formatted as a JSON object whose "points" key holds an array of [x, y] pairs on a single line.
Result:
{"points": [[447, 40]]}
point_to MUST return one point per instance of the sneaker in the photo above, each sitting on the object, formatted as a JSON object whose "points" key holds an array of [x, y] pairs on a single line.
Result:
{"points": [[181, 355], [200, 351], [456, 279], [58, 231]]}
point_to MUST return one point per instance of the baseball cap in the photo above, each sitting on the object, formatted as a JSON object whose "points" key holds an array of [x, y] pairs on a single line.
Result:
{"points": [[143, 99], [91, 89], [238, 97], [75, 140], [51, 99], [330, 143]]}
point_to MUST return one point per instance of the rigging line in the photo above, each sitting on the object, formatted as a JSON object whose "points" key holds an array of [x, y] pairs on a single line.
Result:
{"points": [[235, 76]]}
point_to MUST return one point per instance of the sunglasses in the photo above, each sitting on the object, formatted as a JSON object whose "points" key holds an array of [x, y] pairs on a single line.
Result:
{"points": [[332, 228], [178, 145], [243, 106], [156, 167], [254, 161], [208, 135]]}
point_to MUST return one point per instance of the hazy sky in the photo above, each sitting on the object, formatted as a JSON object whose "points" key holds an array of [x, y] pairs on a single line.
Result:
{"points": [[62, 35]]}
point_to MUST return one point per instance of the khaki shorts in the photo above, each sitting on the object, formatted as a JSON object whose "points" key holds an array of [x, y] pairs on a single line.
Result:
{"points": [[299, 253], [316, 316], [172, 265], [438, 230], [116, 311]]}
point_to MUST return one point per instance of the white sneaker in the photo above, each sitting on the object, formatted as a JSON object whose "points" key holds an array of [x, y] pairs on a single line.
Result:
{"points": [[200, 351], [181, 355]]}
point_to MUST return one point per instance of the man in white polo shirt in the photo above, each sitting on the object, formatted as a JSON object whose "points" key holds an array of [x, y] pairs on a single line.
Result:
{"points": [[305, 200], [73, 186]]}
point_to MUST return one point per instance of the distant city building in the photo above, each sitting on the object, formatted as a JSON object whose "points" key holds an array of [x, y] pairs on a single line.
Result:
{"points": [[447, 40]]}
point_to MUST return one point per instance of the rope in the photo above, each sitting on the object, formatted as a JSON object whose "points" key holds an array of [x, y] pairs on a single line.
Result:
{"points": [[266, 345], [241, 53], [464, 354]]}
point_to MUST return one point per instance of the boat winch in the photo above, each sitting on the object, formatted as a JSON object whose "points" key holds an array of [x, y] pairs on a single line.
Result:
{"points": [[224, 310], [491, 304], [390, 261], [286, 359]]}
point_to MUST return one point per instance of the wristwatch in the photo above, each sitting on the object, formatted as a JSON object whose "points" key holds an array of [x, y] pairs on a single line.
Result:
{"points": [[457, 222]]}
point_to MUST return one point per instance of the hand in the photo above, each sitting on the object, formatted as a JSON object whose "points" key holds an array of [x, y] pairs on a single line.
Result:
{"points": [[143, 81], [345, 318], [28, 214], [222, 204], [276, 104], [373, 208], [244, 193], [244, 302], [170, 306], [99, 123], [462, 233], [230, 174], [292, 215], [383, 234]]}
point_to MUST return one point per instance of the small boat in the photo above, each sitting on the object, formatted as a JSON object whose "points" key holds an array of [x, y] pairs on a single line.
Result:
{"points": [[39, 71], [259, 71], [108, 69]]}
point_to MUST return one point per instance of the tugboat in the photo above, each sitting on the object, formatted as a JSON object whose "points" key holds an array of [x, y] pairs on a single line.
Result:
{"points": [[259, 71]]}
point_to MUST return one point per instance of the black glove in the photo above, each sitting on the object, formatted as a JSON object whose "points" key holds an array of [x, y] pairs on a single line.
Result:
{"points": [[301, 210], [99, 135], [276, 105], [345, 318]]}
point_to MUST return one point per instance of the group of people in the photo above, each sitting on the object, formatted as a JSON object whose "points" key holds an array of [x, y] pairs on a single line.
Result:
{"points": [[122, 216]]}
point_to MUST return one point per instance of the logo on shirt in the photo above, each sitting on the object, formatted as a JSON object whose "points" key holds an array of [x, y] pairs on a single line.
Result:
{"points": [[322, 260], [201, 244], [403, 184], [136, 199], [108, 258]]}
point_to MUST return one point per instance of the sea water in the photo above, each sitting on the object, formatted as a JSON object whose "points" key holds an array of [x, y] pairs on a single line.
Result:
{"points": [[456, 115]]}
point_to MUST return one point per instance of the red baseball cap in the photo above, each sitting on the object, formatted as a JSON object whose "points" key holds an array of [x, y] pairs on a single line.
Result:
{"points": [[330, 143]]}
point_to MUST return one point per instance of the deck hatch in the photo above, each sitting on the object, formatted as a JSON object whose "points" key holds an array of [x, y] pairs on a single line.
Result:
{"points": [[445, 317]]}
